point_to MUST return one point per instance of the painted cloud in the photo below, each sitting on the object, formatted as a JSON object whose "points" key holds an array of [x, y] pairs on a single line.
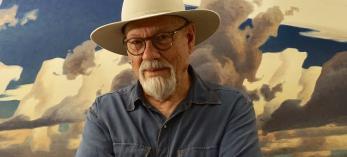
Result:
{"points": [[8, 73], [8, 17]]}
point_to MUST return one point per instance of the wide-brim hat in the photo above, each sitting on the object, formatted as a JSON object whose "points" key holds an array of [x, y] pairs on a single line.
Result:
{"points": [[110, 36]]}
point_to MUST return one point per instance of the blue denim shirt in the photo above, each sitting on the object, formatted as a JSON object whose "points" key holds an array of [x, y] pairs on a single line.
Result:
{"points": [[213, 121]]}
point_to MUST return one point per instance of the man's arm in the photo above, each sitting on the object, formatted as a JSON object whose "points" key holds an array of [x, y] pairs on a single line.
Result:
{"points": [[96, 141], [240, 138]]}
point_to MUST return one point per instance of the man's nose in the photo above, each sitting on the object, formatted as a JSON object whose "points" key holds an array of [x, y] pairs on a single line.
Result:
{"points": [[150, 52]]}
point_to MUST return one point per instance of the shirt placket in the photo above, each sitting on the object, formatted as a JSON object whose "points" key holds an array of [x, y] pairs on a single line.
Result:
{"points": [[164, 139]]}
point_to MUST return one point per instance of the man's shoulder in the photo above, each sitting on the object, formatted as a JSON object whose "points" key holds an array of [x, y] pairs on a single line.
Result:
{"points": [[124, 91], [224, 89], [228, 94]]}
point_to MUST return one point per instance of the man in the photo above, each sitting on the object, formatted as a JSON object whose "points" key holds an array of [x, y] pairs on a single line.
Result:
{"points": [[170, 111]]}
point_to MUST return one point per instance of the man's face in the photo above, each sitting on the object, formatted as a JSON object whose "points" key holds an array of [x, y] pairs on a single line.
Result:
{"points": [[157, 67]]}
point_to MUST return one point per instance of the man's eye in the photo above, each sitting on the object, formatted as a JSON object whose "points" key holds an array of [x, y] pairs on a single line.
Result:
{"points": [[135, 41], [163, 38], [135, 44]]}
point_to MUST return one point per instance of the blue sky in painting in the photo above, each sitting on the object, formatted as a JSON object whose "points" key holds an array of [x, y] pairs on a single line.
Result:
{"points": [[61, 25], [318, 50]]}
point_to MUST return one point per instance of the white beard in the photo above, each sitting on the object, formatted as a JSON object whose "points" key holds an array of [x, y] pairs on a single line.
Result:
{"points": [[158, 87]]}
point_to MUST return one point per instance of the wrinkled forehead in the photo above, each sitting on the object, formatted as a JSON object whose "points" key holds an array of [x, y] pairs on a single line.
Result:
{"points": [[159, 23]]}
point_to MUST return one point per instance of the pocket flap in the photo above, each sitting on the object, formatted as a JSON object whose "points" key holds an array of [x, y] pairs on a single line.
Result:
{"points": [[198, 152], [130, 150]]}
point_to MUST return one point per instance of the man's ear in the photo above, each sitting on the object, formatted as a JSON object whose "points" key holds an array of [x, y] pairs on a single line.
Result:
{"points": [[191, 37]]}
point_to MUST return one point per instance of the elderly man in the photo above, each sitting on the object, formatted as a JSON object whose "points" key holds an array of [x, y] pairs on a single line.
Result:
{"points": [[170, 111]]}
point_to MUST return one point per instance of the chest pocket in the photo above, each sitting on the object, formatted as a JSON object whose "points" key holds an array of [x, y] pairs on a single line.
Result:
{"points": [[130, 150], [198, 152]]}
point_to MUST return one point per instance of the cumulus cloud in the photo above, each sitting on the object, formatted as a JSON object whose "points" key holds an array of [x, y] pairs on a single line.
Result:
{"points": [[192, 2], [284, 70], [20, 122], [327, 103], [124, 78], [16, 94], [61, 100], [29, 16], [299, 13], [211, 69], [291, 11], [235, 48], [290, 109], [269, 93], [45, 94], [123, 60], [326, 33], [50, 141], [80, 60], [253, 94], [258, 2], [8, 74], [8, 17], [307, 81], [305, 142], [265, 25], [52, 114]]}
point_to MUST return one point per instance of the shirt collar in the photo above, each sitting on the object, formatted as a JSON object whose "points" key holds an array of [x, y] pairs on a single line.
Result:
{"points": [[200, 93], [136, 95]]}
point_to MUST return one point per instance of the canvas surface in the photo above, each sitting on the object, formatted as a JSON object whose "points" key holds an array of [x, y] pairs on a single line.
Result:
{"points": [[290, 56]]}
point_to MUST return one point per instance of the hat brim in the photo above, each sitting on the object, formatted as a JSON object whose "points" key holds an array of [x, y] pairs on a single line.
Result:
{"points": [[110, 36]]}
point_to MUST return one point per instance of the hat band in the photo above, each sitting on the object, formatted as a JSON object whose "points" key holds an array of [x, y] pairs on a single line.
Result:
{"points": [[146, 14]]}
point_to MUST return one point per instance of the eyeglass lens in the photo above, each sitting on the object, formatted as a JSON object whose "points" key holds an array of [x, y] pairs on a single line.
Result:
{"points": [[161, 41]]}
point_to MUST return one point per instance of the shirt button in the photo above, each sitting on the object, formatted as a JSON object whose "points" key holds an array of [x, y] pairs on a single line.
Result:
{"points": [[165, 126]]}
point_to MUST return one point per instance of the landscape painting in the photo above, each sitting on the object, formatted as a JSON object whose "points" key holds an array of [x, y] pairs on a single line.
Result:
{"points": [[290, 57]]}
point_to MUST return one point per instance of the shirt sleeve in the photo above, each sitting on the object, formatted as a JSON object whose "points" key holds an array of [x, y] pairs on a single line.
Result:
{"points": [[240, 138], [96, 141]]}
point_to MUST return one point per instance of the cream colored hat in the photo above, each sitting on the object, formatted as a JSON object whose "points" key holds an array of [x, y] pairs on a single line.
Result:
{"points": [[110, 36]]}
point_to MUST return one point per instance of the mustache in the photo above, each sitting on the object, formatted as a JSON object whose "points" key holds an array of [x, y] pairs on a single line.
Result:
{"points": [[154, 64]]}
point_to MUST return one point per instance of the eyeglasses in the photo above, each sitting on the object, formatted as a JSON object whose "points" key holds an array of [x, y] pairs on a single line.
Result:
{"points": [[161, 41]]}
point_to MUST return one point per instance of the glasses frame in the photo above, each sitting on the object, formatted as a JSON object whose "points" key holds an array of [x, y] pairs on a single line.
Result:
{"points": [[151, 38]]}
